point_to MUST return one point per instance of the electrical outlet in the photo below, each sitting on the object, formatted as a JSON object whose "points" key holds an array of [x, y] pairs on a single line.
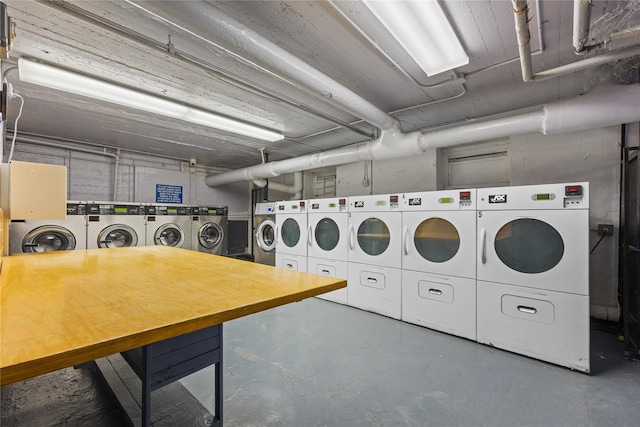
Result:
{"points": [[605, 229]]}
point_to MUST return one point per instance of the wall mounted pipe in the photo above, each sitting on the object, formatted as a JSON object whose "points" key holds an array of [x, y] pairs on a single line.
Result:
{"points": [[581, 24], [521, 15], [295, 189], [617, 40], [607, 105], [208, 23]]}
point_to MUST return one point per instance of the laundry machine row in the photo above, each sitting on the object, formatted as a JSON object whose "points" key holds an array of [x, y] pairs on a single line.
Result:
{"points": [[504, 266]]}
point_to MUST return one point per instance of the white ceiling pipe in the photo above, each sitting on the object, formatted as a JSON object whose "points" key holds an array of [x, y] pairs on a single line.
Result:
{"points": [[607, 105], [210, 24], [295, 189], [521, 15], [581, 24], [624, 38]]}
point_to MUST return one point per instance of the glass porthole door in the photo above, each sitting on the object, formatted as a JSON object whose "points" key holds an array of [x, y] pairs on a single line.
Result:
{"points": [[529, 245], [48, 239], [290, 232], [373, 236], [327, 234], [117, 236], [436, 240]]}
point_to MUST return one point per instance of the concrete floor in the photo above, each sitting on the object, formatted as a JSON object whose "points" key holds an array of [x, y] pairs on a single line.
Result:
{"points": [[316, 363]]}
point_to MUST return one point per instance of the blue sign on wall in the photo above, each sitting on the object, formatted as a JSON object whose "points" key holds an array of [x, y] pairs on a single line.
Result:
{"points": [[168, 193]]}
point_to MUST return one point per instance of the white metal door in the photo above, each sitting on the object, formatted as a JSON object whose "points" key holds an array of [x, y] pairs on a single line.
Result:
{"points": [[375, 238], [266, 235], [327, 235], [291, 230], [440, 242], [538, 249]]}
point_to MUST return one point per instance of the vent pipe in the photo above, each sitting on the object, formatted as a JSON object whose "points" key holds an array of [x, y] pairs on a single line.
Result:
{"points": [[204, 21], [607, 105], [295, 189]]}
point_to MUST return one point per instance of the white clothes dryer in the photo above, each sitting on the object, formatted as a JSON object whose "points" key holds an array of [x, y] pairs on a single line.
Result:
{"points": [[533, 271], [327, 242], [30, 236], [264, 250], [209, 228], [291, 232], [115, 225], [438, 261], [374, 241]]}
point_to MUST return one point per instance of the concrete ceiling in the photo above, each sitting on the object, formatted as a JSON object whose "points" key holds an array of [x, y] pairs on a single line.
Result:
{"points": [[117, 41]]}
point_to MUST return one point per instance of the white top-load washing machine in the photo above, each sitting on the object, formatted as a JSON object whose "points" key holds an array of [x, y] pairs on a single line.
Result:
{"points": [[115, 225], [327, 242], [169, 225], [29, 236], [438, 260], [264, 250], [533, 271], [374, 240], [209, 228], [291, 232]]}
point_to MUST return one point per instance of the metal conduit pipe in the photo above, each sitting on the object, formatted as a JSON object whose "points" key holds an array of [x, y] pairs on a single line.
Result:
{"points": [[617, 41], [521, 14], [205, 21], [607, 105], [581, 24], [295, 189]]}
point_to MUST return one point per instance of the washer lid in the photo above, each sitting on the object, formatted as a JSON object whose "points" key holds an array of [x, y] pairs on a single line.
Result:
{"points": [[266, 235], [48, 238]]}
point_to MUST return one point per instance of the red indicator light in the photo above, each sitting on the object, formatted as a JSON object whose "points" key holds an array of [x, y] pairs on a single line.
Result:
{"points": [[301, 204], [573, 190], [465, 195], [393, 199], [342, 202]]}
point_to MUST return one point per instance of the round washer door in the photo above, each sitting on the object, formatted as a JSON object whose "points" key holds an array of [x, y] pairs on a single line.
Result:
{"points": [[373, 236], [210, 235], [48, 238], [266, 235], [169, 235], [528, 245], [117, 236], [327, 234], [436, 240]]}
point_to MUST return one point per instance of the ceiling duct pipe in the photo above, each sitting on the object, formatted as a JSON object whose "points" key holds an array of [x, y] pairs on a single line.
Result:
{"points": [[203, 20], [521, 14], [607, 105], [581, 24], [295, 189], [626, 38]]}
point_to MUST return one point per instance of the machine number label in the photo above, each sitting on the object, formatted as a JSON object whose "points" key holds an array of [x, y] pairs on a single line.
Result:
{"points": [[359, 204], [415, 201], [498, 198]]}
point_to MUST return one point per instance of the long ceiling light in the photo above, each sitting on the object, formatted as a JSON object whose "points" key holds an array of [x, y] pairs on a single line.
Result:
{"points": [[424, 31], [79, 84]]}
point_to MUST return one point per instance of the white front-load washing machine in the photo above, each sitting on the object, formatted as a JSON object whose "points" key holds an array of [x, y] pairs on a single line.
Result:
{"points": [[115, 225], [169, 225], [327, 242], [30, 236], [533, 271], [374, 240], [264, 249], [438, 260], [291, 232], [209, 229]]}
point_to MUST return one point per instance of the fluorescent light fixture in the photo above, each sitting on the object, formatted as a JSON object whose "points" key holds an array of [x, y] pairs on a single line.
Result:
{"points": [[79, 84], [423, 30]]}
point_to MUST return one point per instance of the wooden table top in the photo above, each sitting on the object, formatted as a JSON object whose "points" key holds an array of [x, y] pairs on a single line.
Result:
{"points": [[60, 309]]}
